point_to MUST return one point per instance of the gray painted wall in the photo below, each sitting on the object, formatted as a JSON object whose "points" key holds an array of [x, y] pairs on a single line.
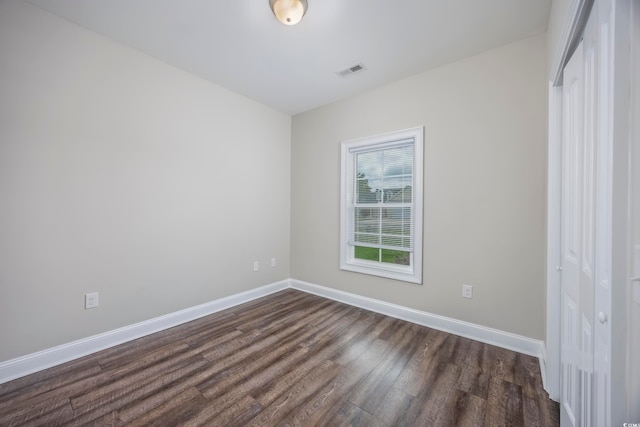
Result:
{"points": [[485, 124], [123, 175]]}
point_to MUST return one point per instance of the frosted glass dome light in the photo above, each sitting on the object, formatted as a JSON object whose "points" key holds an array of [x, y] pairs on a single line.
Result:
{"points": [[289, 12]]}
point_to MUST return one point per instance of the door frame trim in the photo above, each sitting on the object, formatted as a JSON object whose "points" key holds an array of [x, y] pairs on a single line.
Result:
{"points": [[554, 211], [572, 29]]}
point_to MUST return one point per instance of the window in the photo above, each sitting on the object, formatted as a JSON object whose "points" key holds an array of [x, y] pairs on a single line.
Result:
{"points": [[381, 205]]}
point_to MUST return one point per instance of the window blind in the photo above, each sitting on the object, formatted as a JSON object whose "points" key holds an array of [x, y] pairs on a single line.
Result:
{"points": [[382, 214]]}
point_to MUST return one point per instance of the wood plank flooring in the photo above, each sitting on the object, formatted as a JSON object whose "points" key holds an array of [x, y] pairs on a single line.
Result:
{"points": [[287, 359]]}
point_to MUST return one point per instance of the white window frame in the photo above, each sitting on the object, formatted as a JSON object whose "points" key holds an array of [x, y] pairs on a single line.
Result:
{"points": [[412, 272]]}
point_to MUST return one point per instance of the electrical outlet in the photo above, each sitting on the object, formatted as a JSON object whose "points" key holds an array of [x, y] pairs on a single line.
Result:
{"points": [[256, 266], [273, 262], [467, 291], [91, 300]]}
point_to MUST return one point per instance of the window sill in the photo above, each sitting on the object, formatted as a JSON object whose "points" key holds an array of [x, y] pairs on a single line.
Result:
{"points": [[401, 273]]}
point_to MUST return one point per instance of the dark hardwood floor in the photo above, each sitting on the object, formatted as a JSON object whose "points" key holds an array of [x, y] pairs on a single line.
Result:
{"points": [[288, 359]]}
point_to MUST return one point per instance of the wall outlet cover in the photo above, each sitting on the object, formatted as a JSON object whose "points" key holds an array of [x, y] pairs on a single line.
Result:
{"points": [[467, 291], [91, 300]]}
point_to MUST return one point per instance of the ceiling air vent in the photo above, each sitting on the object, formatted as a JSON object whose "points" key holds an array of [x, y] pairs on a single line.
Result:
{"points": [[351, 70]]}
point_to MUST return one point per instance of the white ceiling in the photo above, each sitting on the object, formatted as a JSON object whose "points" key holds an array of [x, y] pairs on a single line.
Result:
{"points": [[239, 44]]}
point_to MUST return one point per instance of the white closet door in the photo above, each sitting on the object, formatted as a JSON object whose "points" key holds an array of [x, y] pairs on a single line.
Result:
{"points": [[586, 247]]}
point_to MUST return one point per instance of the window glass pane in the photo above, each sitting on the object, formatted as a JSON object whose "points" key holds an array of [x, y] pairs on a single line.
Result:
{"points": [[398, 161], [367, 220], [364, 192], [371, 254], [373, 239], [407, 190], [369, 164], [396, 227], [390, 240], [398, 179], [398, 195], [395, 257], [369, 177], [383, 255]]}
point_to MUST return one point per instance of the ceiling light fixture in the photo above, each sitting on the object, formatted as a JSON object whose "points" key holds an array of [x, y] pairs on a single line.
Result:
{"points": [[289, 12]]}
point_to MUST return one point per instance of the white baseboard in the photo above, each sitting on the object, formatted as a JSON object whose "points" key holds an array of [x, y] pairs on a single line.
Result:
{"points": [[25, 365], [48, 358], [480, 333]]}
